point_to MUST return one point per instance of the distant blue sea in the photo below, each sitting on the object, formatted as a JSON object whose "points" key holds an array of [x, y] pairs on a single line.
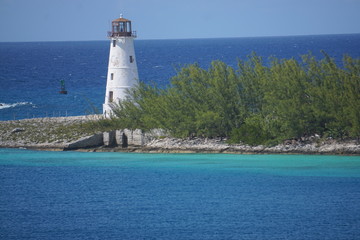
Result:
{"points": [[72, 195], [30, 72]]}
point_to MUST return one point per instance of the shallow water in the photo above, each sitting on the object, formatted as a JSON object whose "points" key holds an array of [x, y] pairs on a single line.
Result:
{"points": [[72, 195]]}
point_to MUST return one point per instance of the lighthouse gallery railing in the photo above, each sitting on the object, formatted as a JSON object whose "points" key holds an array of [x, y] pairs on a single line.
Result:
{"points": [[122, 34]]}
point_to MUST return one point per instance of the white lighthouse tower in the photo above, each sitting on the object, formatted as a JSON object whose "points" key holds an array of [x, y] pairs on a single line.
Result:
{"points": [[122, 70]]}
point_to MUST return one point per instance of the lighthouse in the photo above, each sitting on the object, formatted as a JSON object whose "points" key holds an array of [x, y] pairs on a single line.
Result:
{"points": [[122, 70]]}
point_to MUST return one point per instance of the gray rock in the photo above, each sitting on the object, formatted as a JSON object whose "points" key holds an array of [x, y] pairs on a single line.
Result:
{"points": [[15, 130], [86, 142]]}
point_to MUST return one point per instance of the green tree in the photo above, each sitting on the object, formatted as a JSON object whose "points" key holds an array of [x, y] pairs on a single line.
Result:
{"points": [[255, 104]]}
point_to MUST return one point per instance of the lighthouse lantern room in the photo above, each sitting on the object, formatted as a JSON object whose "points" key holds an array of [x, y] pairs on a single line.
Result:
{"points": [[122, 69]]}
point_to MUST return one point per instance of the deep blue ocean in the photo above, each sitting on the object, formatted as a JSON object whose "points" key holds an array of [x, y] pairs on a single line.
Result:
{"points": [[72, 195], [30, 72]]}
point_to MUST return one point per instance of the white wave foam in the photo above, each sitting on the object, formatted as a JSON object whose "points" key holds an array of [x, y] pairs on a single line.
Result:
{"points": [[11, 105]]}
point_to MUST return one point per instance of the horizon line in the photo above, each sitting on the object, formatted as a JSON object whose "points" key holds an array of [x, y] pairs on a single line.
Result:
{"points": [[185, 38]]}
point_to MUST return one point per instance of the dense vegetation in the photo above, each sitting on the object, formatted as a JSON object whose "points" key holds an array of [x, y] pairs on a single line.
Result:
{"points": [[256, 103]]}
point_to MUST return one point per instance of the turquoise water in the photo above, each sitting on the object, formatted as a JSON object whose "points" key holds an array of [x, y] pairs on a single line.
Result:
{"points": [[74, 195], [292, 165]]}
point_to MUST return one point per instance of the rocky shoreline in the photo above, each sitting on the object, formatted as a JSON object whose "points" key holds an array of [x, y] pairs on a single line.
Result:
{"points": [[59, 134], [53, 133], [199, 145]]}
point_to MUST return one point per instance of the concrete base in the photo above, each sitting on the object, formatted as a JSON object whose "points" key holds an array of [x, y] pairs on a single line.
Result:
{"points": [[86, 142], [109, 139]]}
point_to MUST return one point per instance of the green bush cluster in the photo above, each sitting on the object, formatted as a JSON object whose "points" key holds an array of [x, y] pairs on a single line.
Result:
{"points": [[256, 103]]}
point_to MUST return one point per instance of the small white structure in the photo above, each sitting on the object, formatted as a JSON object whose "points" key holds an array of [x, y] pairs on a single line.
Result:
{"points": [[122, 70]]}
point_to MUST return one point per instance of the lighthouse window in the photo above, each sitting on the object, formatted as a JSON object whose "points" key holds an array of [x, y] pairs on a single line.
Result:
{"points": [[114, 43], [111, 96], [122, 25], [131, 59], [111, 76]]}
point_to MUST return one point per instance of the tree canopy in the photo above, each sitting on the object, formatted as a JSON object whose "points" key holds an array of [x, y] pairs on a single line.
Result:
{"points": [[256, 103]]}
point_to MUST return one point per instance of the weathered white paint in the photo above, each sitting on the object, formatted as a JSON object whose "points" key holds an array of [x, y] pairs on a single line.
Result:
{"points": [[122, 71]]}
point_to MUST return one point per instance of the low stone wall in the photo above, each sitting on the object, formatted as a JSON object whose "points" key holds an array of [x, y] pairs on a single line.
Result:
{"points": [[117, 138], [109, 139], [128, 137], [86, 142]]}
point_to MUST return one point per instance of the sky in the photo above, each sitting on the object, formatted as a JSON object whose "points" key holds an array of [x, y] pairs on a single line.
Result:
{"points": [[87, 20]]}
